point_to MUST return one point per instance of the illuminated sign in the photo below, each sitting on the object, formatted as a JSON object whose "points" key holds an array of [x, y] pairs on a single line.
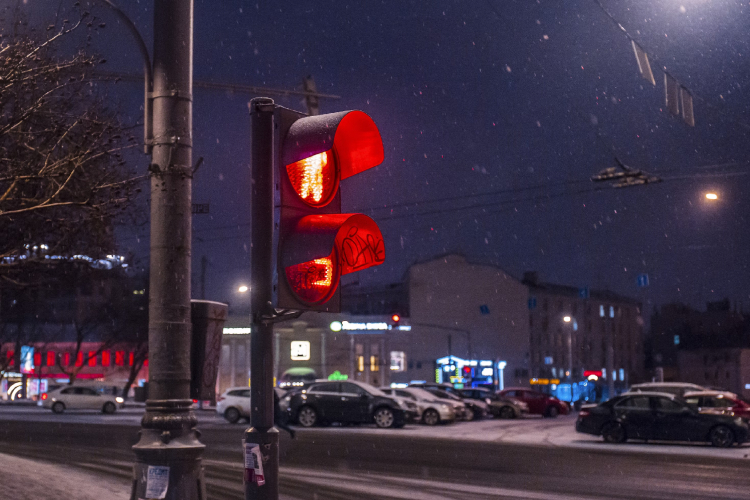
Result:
{"points": [[337, 326], [486, 372], [236, 331], [300, 350], [544, 381], [588, 373], [337, 375], [398, 361]]}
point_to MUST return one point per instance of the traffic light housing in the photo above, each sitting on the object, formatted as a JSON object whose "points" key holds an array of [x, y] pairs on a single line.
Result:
{"points": [[315, 244]]}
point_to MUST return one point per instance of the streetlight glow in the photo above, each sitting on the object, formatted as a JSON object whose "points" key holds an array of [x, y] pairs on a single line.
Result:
{"points": [[566, 319], [712, 196], [243, 289]]}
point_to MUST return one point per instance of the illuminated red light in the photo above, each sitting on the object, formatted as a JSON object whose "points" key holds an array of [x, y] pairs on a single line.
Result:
{"points": [[314, 178], [313, 281], [44, 396], [396, 318]]}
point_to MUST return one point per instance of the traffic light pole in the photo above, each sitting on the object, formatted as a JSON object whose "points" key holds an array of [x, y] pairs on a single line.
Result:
{"points": [[168, 454], [262, 436]]}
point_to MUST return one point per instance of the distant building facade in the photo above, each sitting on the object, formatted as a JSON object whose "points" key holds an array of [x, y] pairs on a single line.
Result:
{"points": [[596, 321]]}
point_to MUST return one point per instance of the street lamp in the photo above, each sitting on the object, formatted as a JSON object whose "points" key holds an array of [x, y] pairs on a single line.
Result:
{"points": [[574, 326], [712, 196], [243, 288]]}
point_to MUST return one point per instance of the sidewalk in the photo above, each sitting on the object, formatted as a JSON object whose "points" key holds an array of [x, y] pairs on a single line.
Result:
{"points": [[26, 479]]}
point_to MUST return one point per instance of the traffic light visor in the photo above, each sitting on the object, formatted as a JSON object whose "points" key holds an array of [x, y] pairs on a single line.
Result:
{"points": [[314, 178], [321, 150]]}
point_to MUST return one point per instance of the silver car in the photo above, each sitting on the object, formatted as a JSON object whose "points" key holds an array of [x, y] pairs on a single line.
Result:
{"points": [[79, 398]]}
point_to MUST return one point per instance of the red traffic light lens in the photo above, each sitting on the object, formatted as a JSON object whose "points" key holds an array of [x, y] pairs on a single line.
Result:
{"points": [[314, 178], [396, 318], [315, 281]]}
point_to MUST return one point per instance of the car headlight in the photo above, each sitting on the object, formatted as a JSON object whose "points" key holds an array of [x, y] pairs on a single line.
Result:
{"points": [[119, 400], [487, 400], [444, 406]]}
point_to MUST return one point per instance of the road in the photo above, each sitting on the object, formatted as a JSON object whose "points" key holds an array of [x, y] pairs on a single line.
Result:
{"points": [[488, 459]]}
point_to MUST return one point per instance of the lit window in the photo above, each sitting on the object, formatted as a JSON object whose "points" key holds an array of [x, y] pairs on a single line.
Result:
{"points": [[92, 358], [119, 358], [611, 312], [374, 364], [601, 310], [676, 340], [360, 363], [79, 359], [398, 361], [105, 358], [50, 358]]}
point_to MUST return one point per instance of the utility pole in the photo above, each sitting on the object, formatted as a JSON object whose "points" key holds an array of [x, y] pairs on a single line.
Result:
{"points": [[168, 454], [262, 439], [204, 264]]}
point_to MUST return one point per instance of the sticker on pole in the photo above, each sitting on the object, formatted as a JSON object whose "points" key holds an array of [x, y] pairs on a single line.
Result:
{"points": [[157, 481], [253, 464]]}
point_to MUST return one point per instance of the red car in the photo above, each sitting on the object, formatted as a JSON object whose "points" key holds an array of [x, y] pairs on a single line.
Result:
{"points": [[539, 403], [718, 401]]}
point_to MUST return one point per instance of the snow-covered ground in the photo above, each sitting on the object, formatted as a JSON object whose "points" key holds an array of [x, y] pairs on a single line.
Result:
{"points": [[533, 431]]}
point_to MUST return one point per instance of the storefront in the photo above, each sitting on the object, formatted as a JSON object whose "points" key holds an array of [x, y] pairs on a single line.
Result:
{"points": [[470, 372]]}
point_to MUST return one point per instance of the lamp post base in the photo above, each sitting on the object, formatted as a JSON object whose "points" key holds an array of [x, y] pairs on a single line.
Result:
{"points": [[268, 446]]}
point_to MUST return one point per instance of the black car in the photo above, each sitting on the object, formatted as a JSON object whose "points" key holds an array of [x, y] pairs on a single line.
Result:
{"points": [[342, 402], [659, 416]]}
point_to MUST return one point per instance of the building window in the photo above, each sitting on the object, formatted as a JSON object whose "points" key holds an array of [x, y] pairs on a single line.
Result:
{"points": [[50, 358], [92, 358], [611, 312], [676, 340], [66, 359], [119, 358], [601, 310], [105, 358], [79, 359], [132, 356], [398, 361], [374, 364], [360, 363]]}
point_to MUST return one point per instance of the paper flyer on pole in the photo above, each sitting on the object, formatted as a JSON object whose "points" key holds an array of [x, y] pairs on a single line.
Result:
{"points": [[253, 464]]}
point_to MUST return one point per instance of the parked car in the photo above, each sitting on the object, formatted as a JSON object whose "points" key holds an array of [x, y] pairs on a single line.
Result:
{"points": [[343, 402], [234, 404], [659, 416], [538, 403], [79, 398], [718, 401], [475, 409], [407, 403], [432, 410], [497, 406], [678, 388]]}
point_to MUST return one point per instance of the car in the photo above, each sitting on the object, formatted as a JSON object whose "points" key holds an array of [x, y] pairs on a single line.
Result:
{"points": [[718, 401], [432, 410], [497, 406], [345, 402], [407, 403], [234, 404], [678, 388], [538, 403], [659, 416], [72, 397], [474, 408]]}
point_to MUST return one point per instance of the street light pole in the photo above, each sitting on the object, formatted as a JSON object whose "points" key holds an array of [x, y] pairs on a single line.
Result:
{"points": [[570, 322], [168, 454]]}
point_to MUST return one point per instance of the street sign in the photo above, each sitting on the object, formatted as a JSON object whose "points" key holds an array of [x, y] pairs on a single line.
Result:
{"points": [[642, 280]]}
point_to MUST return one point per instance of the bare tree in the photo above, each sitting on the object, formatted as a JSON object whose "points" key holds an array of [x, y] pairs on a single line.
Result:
{"points": [[63, 179]]}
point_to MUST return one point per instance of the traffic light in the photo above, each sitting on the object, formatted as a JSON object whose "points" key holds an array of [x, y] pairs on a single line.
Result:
{"points": [[315, 244], [395, 320]]}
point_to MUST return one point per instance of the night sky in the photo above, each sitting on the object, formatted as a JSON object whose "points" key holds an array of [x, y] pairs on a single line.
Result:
{"points": [[494, 115]]}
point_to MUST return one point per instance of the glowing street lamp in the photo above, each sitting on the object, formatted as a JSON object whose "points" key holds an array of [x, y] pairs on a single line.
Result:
{"points": [[566, 319], [712, 196], [243, 289]]}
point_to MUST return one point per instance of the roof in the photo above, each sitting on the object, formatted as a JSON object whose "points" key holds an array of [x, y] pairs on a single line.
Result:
{"points": [[652, 393], [666, 384], [710, 393], [571, 291]]}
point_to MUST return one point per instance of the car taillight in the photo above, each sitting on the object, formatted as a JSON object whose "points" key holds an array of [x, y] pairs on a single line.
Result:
{"points": [[195, 401], [584, 413], [44, 396]]}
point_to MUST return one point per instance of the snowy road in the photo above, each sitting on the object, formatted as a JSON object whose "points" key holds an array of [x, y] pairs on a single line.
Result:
{"points": [[559, 432]]}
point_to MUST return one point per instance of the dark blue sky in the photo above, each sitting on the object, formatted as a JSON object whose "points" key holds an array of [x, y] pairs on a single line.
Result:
{"points": [[490, 130]]}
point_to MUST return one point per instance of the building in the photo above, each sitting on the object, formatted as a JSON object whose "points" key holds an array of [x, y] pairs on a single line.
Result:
{"points": [[460, 322], [720, 368], [572, 331]]}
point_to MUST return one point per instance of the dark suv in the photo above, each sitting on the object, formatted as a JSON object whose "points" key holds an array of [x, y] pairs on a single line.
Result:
{"points": [[342, 402]]}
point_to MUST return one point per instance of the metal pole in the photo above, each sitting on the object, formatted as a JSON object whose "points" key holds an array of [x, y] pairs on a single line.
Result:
{"points": [[610, 356], [262, 433], [570, 361], [168, 455]]}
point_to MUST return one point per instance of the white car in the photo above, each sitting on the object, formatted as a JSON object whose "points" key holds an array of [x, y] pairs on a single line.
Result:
{"points": [[677, 388], [79, 398], [433, 409], [407, 402], [234, 404]]}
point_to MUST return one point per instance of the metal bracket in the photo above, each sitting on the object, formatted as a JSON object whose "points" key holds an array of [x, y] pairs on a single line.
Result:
{"points": [[184, 96], [269, 315]]}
